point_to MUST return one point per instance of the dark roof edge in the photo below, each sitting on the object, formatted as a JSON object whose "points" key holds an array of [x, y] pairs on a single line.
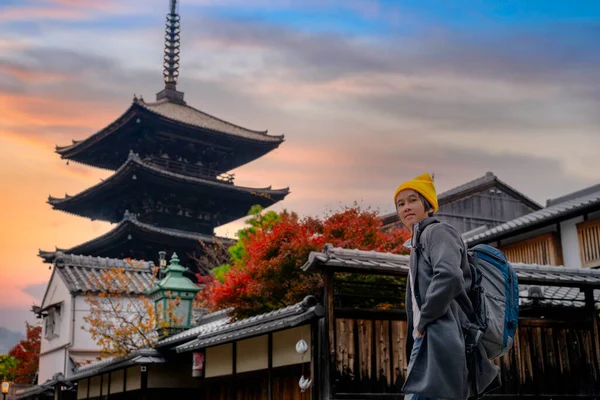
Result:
{"points": [[143, 356]]}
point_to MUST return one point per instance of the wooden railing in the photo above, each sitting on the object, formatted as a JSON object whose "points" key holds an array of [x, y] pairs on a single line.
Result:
{"points": [[543, 250], [589, 243], [189, 169]]}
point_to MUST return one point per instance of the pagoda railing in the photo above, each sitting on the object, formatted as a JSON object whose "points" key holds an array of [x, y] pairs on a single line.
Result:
{"points": [[190, 169]]}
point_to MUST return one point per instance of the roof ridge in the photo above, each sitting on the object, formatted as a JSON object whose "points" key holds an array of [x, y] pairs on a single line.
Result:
{"points": [[82, 260]]}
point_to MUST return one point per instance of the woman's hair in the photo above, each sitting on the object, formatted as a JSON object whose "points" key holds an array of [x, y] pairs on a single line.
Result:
{"points": [[428, 207]]}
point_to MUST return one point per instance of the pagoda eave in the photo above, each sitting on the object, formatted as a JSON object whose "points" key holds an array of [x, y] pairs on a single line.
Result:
{"points": [[124, 186], [185, 124], [133, 236]]}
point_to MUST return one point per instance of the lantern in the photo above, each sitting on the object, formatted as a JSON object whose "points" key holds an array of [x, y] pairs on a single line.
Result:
{"points": [[173, 297]]}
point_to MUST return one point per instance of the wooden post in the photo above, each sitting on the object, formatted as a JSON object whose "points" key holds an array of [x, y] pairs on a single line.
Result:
{"points": [[329, 315], [590, 305], [323, 361], [270, 366], [144, 388]]}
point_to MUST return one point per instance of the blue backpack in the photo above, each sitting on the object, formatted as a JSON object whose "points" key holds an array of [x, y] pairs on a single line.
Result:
{"points": [[494, 300]]}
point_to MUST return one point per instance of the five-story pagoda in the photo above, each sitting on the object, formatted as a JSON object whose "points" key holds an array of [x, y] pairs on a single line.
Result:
{"points": [[170, 188]]}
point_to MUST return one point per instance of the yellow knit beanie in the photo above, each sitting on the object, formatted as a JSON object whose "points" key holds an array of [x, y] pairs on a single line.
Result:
{"points": [[422, 184]]}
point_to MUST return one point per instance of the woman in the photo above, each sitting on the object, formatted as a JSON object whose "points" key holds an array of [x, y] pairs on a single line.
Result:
{"points": [[439, 272]]}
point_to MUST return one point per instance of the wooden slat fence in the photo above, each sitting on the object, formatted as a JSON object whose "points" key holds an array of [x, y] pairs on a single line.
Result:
{"points": [[556, 358]]}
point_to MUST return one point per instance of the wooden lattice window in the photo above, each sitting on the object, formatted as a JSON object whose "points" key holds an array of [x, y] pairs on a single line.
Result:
{"points": [[589, 243], [543, 250]]}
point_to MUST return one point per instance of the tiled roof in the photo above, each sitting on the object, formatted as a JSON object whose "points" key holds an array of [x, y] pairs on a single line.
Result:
{"points": [[392, 264], [46, 388], [554, 296], [258, 325], [554, 212], [139, 357], [206, 323], [82, 273], [134, 161], [190, 116]]}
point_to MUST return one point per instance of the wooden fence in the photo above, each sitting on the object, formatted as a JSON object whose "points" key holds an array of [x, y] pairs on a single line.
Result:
{"points": [[548, 358]]}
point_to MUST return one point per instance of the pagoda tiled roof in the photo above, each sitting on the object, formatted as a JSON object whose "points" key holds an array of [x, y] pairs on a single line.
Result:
{"points": [[176, 113], [131, 224], [185, 114], [135, 161]]}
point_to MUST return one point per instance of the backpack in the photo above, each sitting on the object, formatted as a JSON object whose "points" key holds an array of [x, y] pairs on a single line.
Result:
{"points": [[491, 303]]}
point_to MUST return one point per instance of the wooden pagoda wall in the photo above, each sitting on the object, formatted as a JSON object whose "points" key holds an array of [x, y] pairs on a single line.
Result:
{"points": [[549, 357]]}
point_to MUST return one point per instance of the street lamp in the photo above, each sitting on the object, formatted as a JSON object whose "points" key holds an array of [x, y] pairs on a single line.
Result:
{"points": [[5, 389]]}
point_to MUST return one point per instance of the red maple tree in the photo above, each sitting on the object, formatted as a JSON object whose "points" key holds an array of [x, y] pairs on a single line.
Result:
{"points": [[27, 353], [266, 275]]}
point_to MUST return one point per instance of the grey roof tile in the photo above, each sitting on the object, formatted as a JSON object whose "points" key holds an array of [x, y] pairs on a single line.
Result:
{"points": [[279, 319], [191, 116], [83, 273], [139, 357], [364, 261]]}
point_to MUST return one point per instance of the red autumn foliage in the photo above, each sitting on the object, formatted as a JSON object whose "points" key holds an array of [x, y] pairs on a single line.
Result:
{"points": [[27, 353], [268, 276]]}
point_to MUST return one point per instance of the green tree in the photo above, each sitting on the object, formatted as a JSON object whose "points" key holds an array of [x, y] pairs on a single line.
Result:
{"points": [[8, 367]]}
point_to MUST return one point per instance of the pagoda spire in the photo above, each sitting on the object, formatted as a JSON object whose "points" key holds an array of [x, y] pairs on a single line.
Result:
{"points": [[171, 58]]}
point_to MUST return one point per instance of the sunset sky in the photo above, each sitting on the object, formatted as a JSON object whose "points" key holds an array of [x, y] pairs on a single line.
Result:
{"points": [[367, 93]]}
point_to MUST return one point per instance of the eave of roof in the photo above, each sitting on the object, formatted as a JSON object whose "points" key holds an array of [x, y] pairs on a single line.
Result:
{"points": [[284, 318], [134, 161], [344, 260], [81, 273], [552, 214], [139, 357], [165, 110], [130, 221]]}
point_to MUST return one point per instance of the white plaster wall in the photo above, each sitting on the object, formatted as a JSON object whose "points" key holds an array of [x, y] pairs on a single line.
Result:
{"points": [[219, 361], [51, 363], [570, 242], [57, 292], [53, 351], [284, 346], [252, 354], [82, 338]]}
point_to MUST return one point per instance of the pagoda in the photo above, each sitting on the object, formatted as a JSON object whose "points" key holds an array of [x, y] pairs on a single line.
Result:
{"points": [[171, 187]]}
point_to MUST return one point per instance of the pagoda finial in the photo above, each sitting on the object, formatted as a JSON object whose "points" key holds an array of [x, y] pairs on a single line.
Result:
{"points": [[171, 59]]}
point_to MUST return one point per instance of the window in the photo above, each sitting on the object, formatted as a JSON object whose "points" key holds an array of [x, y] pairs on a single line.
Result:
{"points": [[542, 250], [588, 233], [52, 322]]}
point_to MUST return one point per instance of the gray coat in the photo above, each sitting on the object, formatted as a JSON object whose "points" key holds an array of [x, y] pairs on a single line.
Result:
{"points": [[440, 368]]}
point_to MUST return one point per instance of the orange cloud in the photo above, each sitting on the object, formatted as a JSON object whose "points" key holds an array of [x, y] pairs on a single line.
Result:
{"points": [[23, 112], [33, 76]]}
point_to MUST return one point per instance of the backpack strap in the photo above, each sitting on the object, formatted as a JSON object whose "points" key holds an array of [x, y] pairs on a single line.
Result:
{"points": [[418, 247]]}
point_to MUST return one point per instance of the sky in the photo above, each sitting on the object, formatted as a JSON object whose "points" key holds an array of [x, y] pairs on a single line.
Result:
{"points": [[368, 93]]}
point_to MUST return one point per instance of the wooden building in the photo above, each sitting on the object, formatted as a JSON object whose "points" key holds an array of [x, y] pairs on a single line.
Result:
{"points": [[480, 204]]}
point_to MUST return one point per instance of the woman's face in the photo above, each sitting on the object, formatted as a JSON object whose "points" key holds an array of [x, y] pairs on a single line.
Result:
{"points": [[410, 208]]}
